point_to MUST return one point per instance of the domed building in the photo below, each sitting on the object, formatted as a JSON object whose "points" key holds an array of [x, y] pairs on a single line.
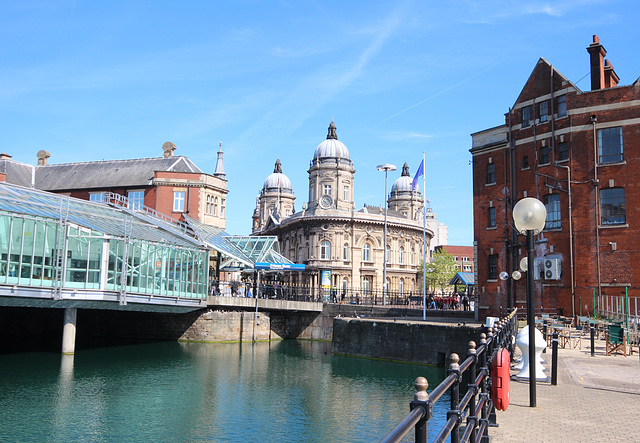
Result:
{"points": [[275, 201], [342, 247]]}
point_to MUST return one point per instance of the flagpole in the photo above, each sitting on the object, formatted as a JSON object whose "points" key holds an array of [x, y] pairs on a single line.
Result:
{"points": [[424, 240]]}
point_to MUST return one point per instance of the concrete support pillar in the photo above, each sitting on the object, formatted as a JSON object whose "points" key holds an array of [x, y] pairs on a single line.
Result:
{"points": [[69, 331]]}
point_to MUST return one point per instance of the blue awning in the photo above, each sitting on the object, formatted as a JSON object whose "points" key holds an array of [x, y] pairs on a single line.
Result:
{"points": [[463, 278], [280, 266]]}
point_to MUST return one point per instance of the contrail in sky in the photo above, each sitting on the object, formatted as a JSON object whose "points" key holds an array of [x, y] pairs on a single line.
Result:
{"points": [[443, 91]]}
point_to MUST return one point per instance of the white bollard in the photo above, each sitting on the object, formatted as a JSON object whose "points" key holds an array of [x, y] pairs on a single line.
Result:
{"points": [[523, 343]]}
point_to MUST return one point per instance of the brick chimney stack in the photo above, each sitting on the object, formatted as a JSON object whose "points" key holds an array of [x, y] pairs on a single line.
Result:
{"points": [[611, 79], [602, 73], [597, 53]]}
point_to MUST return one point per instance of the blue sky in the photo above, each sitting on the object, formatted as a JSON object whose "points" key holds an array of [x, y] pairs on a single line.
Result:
{"points": [[111, 80]]}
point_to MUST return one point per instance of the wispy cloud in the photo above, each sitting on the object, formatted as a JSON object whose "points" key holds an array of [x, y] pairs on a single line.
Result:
{"points": [[443, 91], [405, 136], [323, 85]]}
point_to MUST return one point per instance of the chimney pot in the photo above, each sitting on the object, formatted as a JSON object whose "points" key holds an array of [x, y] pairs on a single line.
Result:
{"points": [[42, 157], [168, 149]]}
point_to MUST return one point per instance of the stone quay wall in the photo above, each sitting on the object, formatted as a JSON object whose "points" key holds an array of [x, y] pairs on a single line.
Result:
{"points": [[403, 340]]}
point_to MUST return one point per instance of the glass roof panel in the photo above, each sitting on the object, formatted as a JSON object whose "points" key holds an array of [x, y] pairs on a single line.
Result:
{"points": [[100, 217]]}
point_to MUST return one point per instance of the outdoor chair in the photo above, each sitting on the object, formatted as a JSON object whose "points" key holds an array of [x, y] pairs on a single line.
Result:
{"points": [[616, 340], [583, 323], [575, 337]]}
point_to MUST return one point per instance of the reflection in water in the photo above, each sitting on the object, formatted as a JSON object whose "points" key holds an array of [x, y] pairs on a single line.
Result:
{"points": [[271, 392]]}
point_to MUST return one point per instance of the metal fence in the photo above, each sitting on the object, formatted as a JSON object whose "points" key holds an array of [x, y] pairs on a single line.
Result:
{"points": [[351, 295], [619, 308], [476, 406]]}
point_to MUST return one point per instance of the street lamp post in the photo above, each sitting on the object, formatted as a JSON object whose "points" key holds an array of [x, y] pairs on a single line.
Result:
{"points": [[529, 216], [386, 168]]}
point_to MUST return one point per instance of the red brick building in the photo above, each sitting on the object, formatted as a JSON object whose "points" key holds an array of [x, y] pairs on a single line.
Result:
{"points": [[579, 153], [170, 185], [462, 254]]}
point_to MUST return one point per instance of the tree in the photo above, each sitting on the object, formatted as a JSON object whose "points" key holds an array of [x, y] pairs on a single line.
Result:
{"points": [[440, 271]]}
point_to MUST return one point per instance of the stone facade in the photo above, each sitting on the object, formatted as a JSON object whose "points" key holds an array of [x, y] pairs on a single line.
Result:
{"points": [[335, 241]]}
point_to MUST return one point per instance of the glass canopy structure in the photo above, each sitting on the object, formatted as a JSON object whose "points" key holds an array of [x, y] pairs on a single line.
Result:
{"points": [[57, 251], [74, 252], [242, 252]]}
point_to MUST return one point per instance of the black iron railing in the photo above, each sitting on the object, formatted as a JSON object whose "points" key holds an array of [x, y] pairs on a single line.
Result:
{"points": [[348, 296], [475, 408]]}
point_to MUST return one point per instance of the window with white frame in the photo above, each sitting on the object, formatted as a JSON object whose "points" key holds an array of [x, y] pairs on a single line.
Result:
{"points": [[97, 197], [178, 201], [401, 255], [345, 251], [366, 252], [222, 207], [325, 250], [366, 285], [136, 200], [387, 255], [345, 193], [215, 206], [326, 190]]}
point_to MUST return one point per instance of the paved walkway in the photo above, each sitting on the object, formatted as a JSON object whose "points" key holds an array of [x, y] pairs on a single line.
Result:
{"points": [[596, 399]]}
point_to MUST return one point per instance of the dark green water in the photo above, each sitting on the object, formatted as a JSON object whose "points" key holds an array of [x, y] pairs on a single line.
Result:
{"points": [[285, 391]]}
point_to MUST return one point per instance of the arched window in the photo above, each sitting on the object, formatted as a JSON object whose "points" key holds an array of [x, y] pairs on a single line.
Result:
{"points": [[401, 256], [366, 285], [366, 252], [215, 206], [208, 205], [387, 287], [345, 251], [325, 250], [345, 285]]}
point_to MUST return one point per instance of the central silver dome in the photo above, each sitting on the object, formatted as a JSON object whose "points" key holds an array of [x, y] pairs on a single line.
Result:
{"points": [[331, 147]]}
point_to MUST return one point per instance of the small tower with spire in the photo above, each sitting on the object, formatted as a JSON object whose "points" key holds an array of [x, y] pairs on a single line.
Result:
{"points": [[219, 165]]}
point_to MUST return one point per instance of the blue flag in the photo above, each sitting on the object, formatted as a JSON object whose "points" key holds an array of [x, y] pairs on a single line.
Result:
{"points": [[419, 172]]}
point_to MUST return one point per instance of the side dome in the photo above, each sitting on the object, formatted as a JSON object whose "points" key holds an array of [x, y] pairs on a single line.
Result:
{"points": [[404, 183], [331, 147], [277, 181]]}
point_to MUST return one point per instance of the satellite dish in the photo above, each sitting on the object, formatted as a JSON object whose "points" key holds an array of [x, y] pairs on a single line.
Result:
{"points": [[504, 275], [524, 264]]}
